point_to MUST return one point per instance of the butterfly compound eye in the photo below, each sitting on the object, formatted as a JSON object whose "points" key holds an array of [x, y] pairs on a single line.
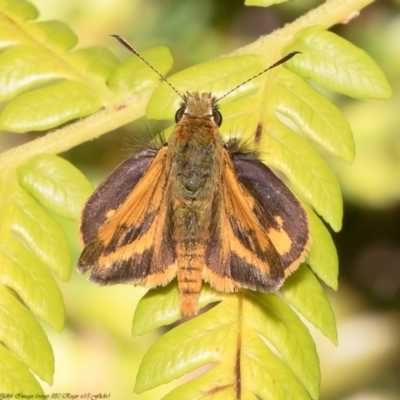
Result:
{"points": [[179, 114], [217, 117]]}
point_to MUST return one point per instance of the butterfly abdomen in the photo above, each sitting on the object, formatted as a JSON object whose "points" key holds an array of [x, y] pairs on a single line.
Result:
{"points": [[190, 265], [191, 221], [196, 153]]}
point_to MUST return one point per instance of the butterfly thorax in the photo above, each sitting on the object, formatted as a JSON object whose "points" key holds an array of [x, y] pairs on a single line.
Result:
{"points": [[196, 150]]}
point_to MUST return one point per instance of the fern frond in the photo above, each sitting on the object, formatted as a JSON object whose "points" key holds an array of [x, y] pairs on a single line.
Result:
{"points": [[256, 343]]}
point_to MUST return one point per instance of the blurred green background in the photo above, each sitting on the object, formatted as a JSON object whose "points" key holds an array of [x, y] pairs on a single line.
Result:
{"points": [[96, 352]]}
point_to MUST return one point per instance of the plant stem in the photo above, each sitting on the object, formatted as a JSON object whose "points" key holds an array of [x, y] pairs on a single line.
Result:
{"points": [[328, 14], [82, 131]]}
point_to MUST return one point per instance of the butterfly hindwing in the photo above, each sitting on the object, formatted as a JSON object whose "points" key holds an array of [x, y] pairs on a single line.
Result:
{"points": [[276, 207], [134, 245]]}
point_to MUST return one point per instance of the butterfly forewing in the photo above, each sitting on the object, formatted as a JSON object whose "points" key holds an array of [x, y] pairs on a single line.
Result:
{"points": [[240, 254], [128, 246]]}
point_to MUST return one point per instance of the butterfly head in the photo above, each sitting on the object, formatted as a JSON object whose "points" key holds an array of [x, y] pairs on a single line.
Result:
{"points": [[199, 105]]}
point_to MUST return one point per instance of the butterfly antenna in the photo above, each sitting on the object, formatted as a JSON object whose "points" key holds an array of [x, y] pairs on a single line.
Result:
{"points": [[279, 62], [134, 51]]}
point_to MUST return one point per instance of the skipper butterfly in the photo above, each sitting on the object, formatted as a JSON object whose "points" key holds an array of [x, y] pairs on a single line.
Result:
{"points": [[197, 209]]}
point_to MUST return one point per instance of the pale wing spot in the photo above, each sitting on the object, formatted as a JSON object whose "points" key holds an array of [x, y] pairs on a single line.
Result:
{"points": [[279, 238], [110, 213]]}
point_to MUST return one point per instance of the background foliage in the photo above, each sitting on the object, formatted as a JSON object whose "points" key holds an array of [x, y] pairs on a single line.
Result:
{"points": [[83, 332]]}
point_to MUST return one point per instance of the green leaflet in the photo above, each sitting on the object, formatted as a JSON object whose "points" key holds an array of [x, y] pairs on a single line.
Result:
{"points": [[39, 231], [24, 67], [312, 112], [14, 376], [55, 34], [311, 176], [271, 317], [96, 61], [303, 291], [194, 343], [263, 369], [24, 273], [49, 107], [23, 335], [156, 308], [322, 257], [55, 183], [337, 65], [160, 307], [20, 10], [134, 75]]}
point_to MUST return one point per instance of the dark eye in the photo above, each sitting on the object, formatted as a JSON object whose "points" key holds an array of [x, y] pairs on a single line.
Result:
{"points": [[179, 114], [217, 117]]}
